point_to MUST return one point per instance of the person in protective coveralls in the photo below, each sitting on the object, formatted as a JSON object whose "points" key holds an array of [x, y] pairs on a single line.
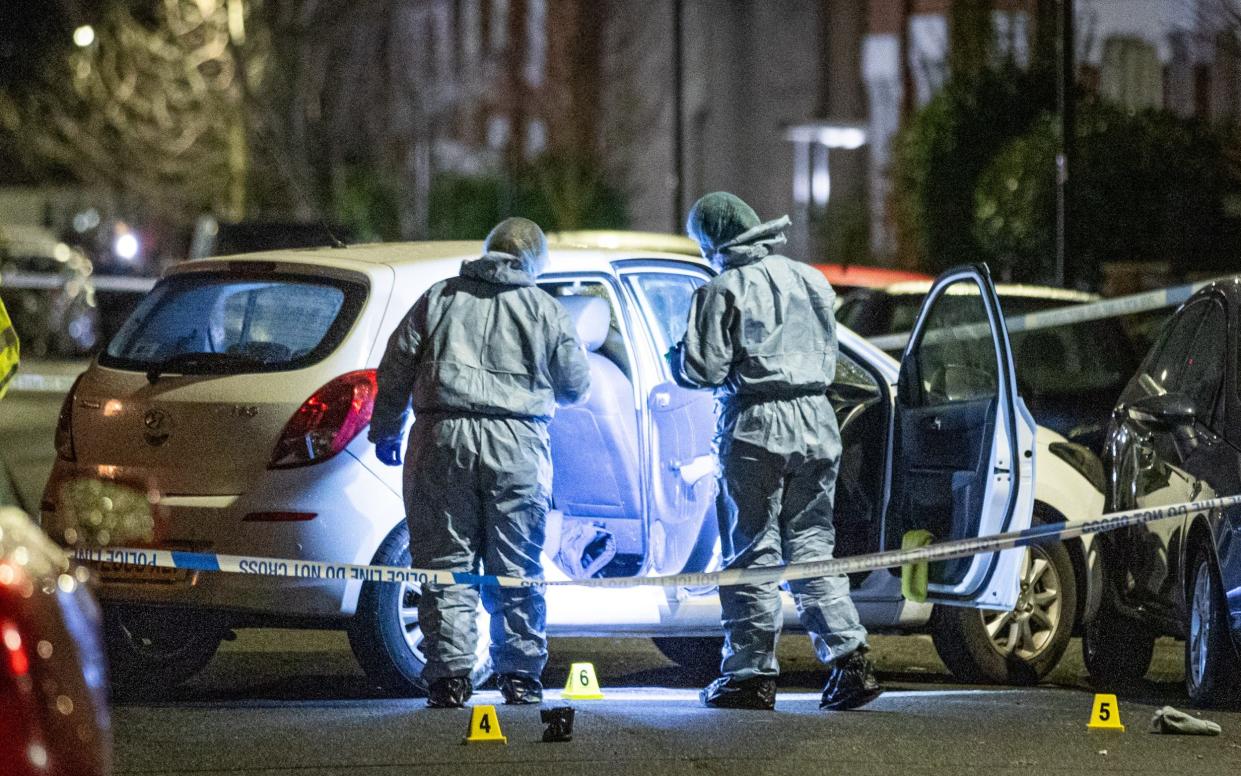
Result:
{"points": [[763, 335], [486, 356]]}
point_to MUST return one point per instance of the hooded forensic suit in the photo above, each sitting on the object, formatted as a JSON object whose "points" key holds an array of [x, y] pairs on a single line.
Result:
{"points": [[763, 335], [485, 356]]}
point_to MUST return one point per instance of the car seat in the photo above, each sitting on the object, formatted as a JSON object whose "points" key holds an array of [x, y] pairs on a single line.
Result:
{"points": [[595, 444]]}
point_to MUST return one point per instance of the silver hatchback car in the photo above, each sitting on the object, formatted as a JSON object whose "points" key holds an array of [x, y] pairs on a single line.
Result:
{"points": [[237, 396]]}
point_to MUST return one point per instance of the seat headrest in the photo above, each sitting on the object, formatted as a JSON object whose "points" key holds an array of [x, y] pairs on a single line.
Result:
{"points": [[592, 317]]}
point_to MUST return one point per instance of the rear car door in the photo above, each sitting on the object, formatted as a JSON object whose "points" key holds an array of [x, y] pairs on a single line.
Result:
{"points": [[680, 423], [962, 458]]}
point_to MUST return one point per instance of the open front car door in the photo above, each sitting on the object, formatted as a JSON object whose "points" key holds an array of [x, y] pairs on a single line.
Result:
{"points": [[962, 440]]}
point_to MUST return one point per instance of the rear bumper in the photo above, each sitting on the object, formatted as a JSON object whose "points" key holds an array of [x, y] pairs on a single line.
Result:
{"points": [[354, 510]]}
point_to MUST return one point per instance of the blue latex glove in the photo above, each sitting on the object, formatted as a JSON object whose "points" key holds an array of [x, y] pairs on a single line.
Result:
{"points": [[389, 451], [673, 357]]}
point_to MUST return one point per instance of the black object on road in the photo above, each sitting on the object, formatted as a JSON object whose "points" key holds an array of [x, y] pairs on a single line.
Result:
{"points": [[559, 721]]}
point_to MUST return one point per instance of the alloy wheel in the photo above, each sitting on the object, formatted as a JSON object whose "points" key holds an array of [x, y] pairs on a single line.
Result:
{"points": [[1200, 625], [1026, 631], [407, 613]]}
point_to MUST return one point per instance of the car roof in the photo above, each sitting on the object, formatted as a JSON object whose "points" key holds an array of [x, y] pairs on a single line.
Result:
{"points": [[403, 257], [921, 287], [1230, 287]]}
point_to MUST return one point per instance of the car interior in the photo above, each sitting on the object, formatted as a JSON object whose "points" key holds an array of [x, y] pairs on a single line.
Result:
{"points": [[862, 414], [597, 488]]}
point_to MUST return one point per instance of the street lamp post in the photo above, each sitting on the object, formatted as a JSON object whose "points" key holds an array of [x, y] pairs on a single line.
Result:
{"points": [[1066, 68]]}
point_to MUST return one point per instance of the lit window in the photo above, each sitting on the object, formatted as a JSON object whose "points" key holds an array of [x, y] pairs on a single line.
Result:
{"points": [[536, 137], [499, 25], [536, 41], [497, 132]]}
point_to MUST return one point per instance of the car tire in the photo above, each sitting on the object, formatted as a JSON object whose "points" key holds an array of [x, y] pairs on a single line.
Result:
{"points": [[1017, 647], [698, 654], [385, 635], [1115, 648], [1210, 662], [153, 650]]}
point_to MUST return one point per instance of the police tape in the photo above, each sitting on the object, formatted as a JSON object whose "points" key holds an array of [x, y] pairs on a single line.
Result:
{"points": [[949, 550], [1078, 313]]}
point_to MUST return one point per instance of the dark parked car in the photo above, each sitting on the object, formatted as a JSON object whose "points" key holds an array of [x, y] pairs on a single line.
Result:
{"points": [[1175, 436], [1069, 375], [48, 289]]}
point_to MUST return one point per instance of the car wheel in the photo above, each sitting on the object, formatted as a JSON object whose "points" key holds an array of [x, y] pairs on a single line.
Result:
{"points": [[1019, 646], [699, 654], [1116, 648], [385, 635], [152, 650], [1210, 664]]}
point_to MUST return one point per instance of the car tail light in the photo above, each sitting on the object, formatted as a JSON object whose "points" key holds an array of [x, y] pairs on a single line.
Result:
{"points": [[22, 749], [327, 422], [64, 425], [15, 650]]}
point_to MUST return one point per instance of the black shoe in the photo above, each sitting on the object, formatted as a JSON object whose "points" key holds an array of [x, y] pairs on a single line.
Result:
{"points": [[851, 684], [758, 692], [519, 689], [449, 693]]}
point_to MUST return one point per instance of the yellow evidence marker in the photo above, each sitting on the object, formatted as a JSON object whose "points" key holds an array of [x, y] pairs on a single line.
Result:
{"points": [[1105, 715], [484, 727], [582, 684]]}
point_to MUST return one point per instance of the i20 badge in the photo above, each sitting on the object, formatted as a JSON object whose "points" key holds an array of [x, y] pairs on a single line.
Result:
{"points": [[157, 427]]}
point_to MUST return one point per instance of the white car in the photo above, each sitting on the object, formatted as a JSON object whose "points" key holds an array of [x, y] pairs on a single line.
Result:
{"points": [[240, 389]]}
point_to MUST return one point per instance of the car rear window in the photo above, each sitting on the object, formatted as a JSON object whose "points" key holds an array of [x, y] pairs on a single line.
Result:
{"points": [[201, 323]]}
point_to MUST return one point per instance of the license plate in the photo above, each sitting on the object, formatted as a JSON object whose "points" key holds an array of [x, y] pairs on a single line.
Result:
{"points": [[124, 574]]}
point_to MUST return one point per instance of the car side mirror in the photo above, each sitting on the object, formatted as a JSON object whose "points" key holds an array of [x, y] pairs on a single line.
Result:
{"points": [[1167, 410]]}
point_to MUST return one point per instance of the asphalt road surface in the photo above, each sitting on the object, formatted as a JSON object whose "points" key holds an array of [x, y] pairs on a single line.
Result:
{"points": [[290, 703]]}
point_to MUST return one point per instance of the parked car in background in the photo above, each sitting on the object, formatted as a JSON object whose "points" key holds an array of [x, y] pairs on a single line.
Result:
{"points": [[241, 389], [54, 718], [621, 239], [846, 278], [1069, 376], [213, 237], [1175, 437], [48, 289]]}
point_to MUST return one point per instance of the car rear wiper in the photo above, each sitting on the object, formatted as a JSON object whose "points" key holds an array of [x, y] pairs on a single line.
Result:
{"points": [[198, 361]]}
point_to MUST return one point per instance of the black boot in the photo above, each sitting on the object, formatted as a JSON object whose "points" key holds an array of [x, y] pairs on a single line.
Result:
{"points": [[519, 689], [757, 692], [449, 693], [851, 683]]}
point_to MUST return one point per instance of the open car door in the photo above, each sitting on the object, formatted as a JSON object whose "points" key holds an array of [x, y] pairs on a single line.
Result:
{"points": [[962, 453]]}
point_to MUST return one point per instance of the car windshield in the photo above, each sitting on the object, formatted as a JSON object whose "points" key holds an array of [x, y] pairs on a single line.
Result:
{"points": [[216, 323]]}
